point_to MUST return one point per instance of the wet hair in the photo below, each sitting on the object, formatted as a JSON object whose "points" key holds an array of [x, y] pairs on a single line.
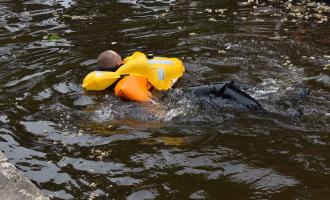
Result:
{"points": [[108, 61]]}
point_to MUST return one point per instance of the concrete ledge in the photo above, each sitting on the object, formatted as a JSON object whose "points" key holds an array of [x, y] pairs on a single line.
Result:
{"points": [[14, 186]]}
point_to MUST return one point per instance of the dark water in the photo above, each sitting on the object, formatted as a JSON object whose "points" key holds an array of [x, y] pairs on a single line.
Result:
{"points": [[73, 144]]}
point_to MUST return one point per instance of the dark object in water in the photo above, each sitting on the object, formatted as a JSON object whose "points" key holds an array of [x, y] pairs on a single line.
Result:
{"points": [[304, 93], [226, 90], [294, 113]]}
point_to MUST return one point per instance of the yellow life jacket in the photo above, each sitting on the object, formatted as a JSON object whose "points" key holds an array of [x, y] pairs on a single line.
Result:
{"points": [[161, 72]]}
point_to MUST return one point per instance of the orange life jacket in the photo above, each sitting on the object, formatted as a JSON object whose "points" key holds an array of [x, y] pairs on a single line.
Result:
{"points": [[134, 88]]}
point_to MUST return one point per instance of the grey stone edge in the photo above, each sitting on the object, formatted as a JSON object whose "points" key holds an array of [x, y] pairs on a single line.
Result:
{"points": [[15, 186]]}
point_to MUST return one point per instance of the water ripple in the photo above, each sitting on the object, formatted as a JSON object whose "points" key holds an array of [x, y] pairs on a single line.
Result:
{"points": [[84, 145]]}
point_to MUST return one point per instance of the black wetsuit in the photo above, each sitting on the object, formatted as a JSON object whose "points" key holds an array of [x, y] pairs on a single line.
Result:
{"points": [[226, 90], [230, 90]]}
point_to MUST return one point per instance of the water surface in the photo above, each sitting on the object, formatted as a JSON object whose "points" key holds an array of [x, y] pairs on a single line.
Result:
{"points": [[78, 145]]}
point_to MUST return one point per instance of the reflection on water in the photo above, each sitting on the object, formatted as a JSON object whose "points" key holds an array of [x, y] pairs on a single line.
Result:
{"points": [[76, 144]]}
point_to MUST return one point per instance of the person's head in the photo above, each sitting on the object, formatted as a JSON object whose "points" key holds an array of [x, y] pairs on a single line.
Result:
{"points": [[109, 60]]}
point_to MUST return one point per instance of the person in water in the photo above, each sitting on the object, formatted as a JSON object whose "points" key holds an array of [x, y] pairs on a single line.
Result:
{"points": [[111, 61]]}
